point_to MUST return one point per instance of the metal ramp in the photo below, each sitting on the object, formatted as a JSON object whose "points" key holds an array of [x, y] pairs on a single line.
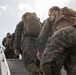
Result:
{"points": [[11, 66], [17, 67], [14, 66]]}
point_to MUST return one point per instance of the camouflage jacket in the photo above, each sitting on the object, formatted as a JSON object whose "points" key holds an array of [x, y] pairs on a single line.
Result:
{"points": [[61, 50], [45, 32], [18, 36]]}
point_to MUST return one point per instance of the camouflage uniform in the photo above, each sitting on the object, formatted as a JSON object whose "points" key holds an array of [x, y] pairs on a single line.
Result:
{"points": [[45, 32], [29, 54], [12, 43], [8, 47], [59, 51], [26, 45], [18, 36]]}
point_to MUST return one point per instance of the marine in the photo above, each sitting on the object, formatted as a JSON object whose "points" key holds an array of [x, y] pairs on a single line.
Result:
{"points": [[60, 51]]}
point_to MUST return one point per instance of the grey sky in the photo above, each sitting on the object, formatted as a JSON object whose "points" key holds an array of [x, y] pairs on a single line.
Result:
{"points": [[12, 10]]}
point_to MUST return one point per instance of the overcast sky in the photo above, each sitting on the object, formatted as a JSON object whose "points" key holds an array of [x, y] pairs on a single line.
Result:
{"points": [[12, 10]]}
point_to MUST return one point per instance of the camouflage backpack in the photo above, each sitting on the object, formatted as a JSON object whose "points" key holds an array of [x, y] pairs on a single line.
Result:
{"points": [[69, 14], [31, 24]]}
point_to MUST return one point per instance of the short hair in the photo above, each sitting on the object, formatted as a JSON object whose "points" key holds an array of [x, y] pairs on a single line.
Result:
{"points": [[8, 33], [54, 8]]}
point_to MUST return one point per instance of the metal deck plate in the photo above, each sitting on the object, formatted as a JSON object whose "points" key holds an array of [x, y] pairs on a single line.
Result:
{"points": [[17, 67]]}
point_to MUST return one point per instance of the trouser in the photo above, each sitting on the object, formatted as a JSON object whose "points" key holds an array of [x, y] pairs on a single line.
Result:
{"points": [[30, 65]]}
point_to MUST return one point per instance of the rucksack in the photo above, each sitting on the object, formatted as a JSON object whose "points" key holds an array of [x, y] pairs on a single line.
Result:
{"points": [[31, 24], [66, 11], [70, 14]]}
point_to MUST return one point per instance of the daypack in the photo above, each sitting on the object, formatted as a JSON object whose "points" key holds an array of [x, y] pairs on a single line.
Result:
{"points": [[8, 40], [31, 24]]}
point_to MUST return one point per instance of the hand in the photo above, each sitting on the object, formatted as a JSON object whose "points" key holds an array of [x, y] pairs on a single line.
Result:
{"points": [[39, 55], [17, 52]]}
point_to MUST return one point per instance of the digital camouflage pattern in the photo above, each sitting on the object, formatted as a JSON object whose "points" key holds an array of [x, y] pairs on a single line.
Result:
{"points": [[47, 26], [60, 50], [7, 43], [29, 54], [45, 32], [18, 36], [26, 45], [31, 24], [62, 22]]}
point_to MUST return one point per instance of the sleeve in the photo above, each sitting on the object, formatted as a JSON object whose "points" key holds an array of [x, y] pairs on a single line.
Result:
{"points": [[3, 42], [18, 36], [57, 48], [43, 36]]}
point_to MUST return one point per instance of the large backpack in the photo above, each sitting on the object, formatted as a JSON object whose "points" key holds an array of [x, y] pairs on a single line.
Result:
{"points": [[70, 14], [31, 24], [67, 12]]}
